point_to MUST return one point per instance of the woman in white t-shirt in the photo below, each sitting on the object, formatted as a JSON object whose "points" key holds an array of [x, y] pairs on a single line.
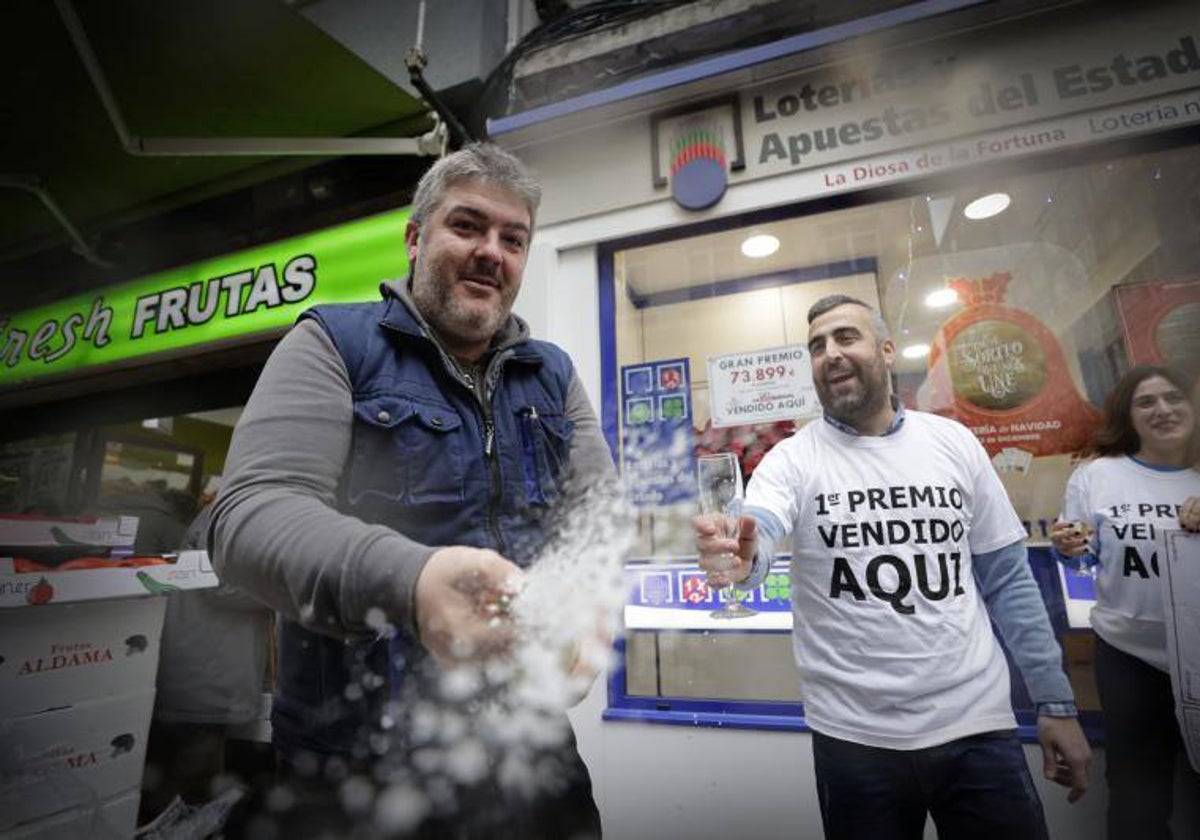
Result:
{"points": [[1142, 482]]}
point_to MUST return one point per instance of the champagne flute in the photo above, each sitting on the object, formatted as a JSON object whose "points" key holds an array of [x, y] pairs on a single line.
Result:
{"points": [[1086, 529], [719, 478]]}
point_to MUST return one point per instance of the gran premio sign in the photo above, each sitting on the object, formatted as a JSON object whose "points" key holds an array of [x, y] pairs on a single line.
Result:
{"points": [[254, 291]]}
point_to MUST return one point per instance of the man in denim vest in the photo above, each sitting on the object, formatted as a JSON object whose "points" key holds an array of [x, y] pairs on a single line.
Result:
{"points": [[397, 467]]}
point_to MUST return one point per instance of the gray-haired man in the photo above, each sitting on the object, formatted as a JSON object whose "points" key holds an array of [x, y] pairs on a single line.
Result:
{"points": [[401, 460]]}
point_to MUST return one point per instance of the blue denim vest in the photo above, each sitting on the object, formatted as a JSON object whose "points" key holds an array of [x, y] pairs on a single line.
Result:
{"points": [[432, 462]]}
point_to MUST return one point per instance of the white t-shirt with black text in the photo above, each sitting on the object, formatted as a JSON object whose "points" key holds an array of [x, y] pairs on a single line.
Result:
{"points": [[1129, 505], [892, 637]]}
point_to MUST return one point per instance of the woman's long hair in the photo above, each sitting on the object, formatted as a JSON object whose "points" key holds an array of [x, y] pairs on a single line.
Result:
{"points": [[1116, 435]]}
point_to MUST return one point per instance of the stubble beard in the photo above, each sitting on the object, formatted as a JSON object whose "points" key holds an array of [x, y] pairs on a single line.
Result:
{"points": [[859, 405], [451, 316]]}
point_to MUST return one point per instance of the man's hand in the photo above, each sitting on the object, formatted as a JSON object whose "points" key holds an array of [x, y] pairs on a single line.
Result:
{"points": [[1066, 756], [461, 601], [716, 549]]}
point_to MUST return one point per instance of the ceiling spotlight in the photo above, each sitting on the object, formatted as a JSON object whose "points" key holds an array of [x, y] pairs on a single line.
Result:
{"points": [[987, 206], [760, 245], [941, 298], [915, 351]]}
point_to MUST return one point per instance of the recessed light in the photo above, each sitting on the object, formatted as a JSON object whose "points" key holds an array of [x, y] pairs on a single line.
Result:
{"points": [[915, 351], [941, 298], [760, 245], [987, 206]]}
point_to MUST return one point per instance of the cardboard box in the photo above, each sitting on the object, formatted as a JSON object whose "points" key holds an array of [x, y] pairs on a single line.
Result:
{"points": [[62, 654], [79, 652], [72, 758], [39, 531], [190, 570], [110, 819]]}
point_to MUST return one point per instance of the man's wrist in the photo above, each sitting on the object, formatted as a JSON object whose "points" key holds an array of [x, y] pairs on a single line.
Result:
{"points": [[1057, 709], [757, 573]]}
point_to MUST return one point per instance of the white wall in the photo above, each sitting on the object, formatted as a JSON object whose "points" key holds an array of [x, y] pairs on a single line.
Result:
{"points": [[560, 300]]}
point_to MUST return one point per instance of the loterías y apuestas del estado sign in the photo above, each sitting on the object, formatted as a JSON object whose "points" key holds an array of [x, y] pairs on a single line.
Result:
{"points": [[232, 297]]}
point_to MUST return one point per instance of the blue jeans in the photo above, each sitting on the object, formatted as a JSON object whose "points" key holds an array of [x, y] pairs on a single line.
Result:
{"points": [[978, 788]]}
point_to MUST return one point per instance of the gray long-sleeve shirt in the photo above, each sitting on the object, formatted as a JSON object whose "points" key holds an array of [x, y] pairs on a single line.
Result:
{"points": [[277, 533]]}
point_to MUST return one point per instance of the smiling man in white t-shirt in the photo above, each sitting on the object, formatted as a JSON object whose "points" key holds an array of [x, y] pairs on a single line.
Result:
{"points": [[904, 545]]}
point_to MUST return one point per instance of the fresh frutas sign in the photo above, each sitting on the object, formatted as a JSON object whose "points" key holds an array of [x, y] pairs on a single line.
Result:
{"points": [[228, 298]]}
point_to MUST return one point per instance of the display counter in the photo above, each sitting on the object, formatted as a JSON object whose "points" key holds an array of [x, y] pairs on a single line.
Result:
{"points": [[678, 665]]}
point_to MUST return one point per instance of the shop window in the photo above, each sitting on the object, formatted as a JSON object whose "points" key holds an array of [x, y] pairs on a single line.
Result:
{"points": [[156, 469], [35, 475], [156, 481], [1016, 321], [103, 469]]}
